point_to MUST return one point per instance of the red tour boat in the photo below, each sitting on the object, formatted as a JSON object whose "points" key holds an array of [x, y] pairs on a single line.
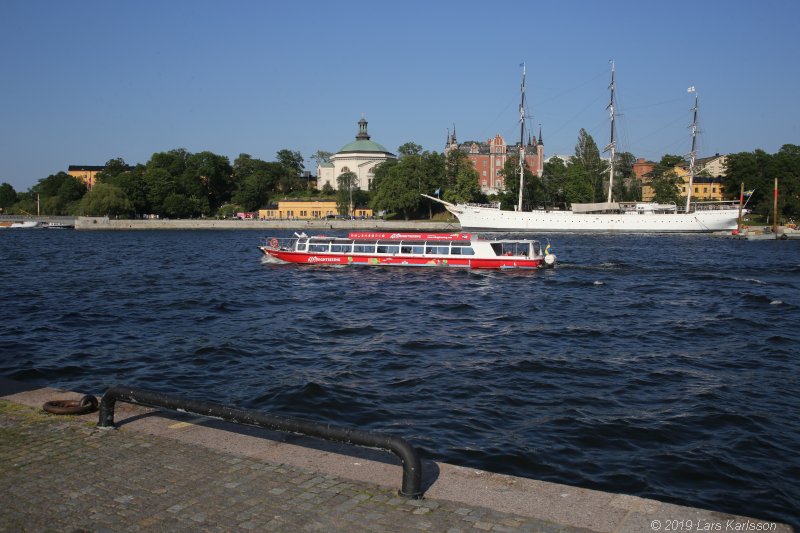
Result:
{"points": [[453, 250]]}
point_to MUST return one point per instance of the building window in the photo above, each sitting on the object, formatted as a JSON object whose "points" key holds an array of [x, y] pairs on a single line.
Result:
{"points": [[345, 169], [484, 172]]}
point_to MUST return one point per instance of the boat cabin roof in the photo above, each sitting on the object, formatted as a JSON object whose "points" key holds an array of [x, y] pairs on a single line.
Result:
{"points": [[388, 238]]}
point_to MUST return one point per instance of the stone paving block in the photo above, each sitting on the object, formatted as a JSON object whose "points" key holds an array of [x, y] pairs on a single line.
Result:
{"points": [[57, 474]]}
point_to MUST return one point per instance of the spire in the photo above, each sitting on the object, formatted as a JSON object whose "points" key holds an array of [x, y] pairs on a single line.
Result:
{"points": [[454, 134], [362, 130], [540, 136], [447, 142]]}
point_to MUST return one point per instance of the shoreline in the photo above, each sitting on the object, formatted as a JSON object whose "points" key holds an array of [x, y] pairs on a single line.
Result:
{"points": [[104, 223]]}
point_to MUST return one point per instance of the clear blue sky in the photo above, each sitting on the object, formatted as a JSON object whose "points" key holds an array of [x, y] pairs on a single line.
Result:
{"points": [[84, 82]]}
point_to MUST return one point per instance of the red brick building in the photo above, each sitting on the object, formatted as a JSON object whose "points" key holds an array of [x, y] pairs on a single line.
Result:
{"points": [[642, 167], [488, 158]]}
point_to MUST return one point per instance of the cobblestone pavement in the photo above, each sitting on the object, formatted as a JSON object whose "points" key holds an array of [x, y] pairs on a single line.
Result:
{"points": [[63, 474]]}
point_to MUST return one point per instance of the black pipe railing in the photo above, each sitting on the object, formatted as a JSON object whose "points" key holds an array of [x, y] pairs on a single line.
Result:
{"points": [[412, 466]]}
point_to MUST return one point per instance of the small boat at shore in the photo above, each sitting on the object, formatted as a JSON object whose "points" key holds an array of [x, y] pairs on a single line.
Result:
{"points": [[58, 225], [449, 250], [24, 224]]}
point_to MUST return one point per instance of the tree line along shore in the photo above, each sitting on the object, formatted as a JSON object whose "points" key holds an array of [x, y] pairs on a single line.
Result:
{"points": [[178, 184]]}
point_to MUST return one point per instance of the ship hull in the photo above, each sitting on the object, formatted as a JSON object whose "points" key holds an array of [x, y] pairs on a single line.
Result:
{"points": [[288, 256], [489, 219]]}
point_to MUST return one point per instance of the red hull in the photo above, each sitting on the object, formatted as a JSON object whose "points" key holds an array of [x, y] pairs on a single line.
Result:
{"points": [[404, 260]]}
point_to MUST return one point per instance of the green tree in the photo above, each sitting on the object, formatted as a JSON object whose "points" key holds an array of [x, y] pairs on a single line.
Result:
{"points": [[208, 175], [255, 190], [626, 186], [112, 168], [321, 156], [105, 200], [554, 179], [8, 196], [587, 155], [292, 160], [758, 170], [173, 161], [160, 184], [178, 206], [395, 190], [665, 181], [132, 183], [578, 186], [409, 148], [461, 182], [245, 166], [345, 183], [533, 193], [58, 193], [665, 187]]}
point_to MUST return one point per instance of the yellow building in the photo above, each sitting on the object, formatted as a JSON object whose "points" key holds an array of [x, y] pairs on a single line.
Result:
{"points": [[307, 209], [85, 173], [704, 188]]}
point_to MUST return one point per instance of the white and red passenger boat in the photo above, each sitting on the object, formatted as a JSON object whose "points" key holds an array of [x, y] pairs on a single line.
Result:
{"points": [[453, 250]]}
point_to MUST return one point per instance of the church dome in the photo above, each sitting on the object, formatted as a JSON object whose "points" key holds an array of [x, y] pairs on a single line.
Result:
{"points": [[363, 146], [362, 142]]}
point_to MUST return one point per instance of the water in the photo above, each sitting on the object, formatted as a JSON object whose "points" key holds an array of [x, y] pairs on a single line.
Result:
{"points": [[660, 366]]}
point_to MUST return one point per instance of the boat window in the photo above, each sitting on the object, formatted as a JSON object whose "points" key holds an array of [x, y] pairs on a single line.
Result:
{"points": [[437, 250], [318, 247], [388, 249], [340, 248], [301, 247], [511, 248], [462, 250], [411, 248], [364, 248]]}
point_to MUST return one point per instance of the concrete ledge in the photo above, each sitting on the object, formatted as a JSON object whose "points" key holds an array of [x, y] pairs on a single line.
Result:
{"points": [[572, 508], [104, 223]]}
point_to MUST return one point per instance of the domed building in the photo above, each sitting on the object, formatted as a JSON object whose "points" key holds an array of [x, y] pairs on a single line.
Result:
{"points": [[359, 157]]}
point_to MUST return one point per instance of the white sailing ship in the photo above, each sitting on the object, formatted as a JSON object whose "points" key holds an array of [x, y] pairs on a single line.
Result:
{"points": [[602, 217]]}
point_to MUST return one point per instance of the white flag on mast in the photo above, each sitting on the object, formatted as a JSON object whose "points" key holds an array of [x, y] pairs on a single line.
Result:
{"points": [[691, 89]]}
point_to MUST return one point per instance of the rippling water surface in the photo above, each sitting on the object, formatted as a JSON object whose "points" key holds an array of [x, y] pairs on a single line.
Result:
{"points": [[661, 366]]}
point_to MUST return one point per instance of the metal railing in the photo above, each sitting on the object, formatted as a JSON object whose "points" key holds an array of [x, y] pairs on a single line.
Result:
{"points": [[412, 466]]}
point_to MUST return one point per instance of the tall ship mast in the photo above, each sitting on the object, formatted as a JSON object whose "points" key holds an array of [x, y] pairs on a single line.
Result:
{"points": [[693, 153], [600, 217], [612, 145], [521, 139]]}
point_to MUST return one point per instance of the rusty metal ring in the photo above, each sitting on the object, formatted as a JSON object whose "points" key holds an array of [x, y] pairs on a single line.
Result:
{"points": [[84, 406]]}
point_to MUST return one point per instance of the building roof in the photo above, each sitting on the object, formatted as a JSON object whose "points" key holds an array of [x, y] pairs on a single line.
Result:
{"points": [[363, 143], [92, 168], [363, 146]]}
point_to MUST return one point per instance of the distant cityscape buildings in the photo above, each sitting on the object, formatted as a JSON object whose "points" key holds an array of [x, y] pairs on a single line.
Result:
{"points": [[362, 155]]}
